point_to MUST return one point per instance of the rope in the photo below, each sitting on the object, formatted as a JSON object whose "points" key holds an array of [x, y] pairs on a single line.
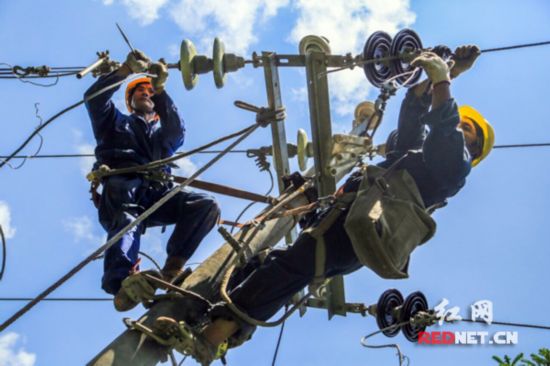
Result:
{"points": [[119, 235]]}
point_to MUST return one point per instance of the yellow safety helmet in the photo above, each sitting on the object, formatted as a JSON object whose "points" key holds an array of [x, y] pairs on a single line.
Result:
{"points": [[132, 85], [486, 129]]}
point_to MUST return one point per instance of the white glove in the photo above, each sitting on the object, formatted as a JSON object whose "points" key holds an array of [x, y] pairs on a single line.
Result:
{"points": [[436, 69]]}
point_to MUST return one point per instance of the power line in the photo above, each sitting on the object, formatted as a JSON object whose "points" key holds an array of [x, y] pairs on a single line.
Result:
{"points": [[53, 156], [525, 45], [521, 145], [58, 299], [276, 353], [521, 325]]}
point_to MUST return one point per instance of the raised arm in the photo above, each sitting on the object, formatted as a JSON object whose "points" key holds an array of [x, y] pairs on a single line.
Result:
{"points": [[444, 150], [410, 131], [101, 109], [172, 130]]}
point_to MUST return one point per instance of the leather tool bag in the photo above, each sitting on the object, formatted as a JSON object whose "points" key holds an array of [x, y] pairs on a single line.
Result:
{"points": [[387, 221]]}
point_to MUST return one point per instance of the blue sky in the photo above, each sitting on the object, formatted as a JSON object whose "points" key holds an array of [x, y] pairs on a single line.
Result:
{"points": [[492, 238]]}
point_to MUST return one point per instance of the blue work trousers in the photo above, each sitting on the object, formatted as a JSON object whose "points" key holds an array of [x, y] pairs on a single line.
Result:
{"points": [[124, 198]]}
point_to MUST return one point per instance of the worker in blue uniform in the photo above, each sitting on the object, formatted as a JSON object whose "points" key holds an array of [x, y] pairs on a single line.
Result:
{"points": [[153, 130], [436, 143]]}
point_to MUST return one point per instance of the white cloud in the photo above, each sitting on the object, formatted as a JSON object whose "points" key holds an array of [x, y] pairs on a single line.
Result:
{"points": [[82, 229], [234, 20], [347, 24], [186, 167], [5, 221], [144, 11], [12, 356]]}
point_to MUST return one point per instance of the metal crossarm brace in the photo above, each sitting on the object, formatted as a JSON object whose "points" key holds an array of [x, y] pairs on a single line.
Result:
{"points": [[321, 130], [280, 149]]}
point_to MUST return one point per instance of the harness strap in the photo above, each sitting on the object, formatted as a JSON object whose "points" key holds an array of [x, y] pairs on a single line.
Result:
{"points": [[95, 178], [317, 232]]}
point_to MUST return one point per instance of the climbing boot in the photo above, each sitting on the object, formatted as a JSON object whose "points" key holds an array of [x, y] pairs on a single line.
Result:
{"points": [[172, 268], [135, 288], [187, 341]]}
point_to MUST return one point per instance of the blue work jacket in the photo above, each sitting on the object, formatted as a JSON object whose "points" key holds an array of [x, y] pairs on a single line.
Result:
{"points": [[437, 157], [128, 140]]}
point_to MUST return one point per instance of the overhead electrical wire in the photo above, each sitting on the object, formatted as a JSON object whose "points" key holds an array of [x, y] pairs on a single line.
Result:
{"points": [[51, 119], [54, 156], [12, 70], [58, 299], [278, 344]]}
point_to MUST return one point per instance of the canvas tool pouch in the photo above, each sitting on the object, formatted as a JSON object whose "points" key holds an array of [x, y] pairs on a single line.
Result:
{"points": [[387, 221]]}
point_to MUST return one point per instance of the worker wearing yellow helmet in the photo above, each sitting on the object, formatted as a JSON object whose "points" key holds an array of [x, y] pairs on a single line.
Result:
{"points": [[428, 159], [478, 133], [152, 131]]}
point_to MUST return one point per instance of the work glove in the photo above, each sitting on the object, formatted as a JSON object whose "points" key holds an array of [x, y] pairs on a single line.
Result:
{"points": [[161, 71], [464, 57], [137, 62], [436, 69]]}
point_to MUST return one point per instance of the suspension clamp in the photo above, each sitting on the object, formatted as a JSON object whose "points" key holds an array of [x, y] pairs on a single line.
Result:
{"points": [[424, 318]]}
